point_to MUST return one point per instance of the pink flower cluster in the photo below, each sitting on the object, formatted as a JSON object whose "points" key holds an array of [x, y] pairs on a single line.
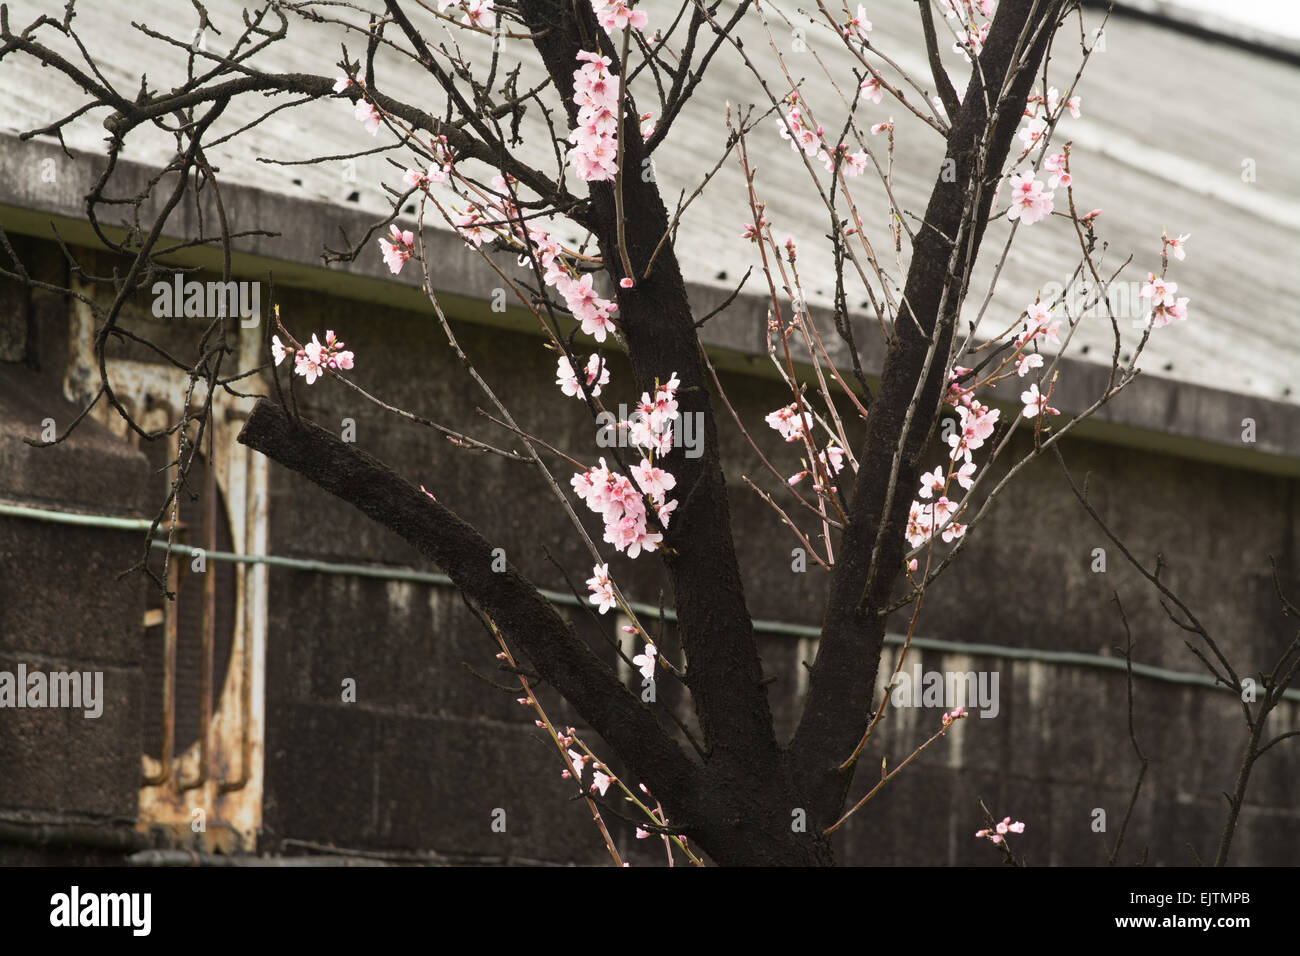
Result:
{"points": [[601, 588], [399, 247], [596, 374], [651, 424], [1002, 829], [415, 179], [622, 501], [595, 313], [789, 422], [1038, 324], [797, 132], [622, 504], [1165, 307], [1040, 110], [976, 422], [595, 92], [314, 358], [483, 221], [923, 520], [617, 15], [1055, 165], [1029, 203]]}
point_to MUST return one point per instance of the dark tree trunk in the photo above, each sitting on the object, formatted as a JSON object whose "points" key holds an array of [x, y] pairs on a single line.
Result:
{"points": [[843, 678]]}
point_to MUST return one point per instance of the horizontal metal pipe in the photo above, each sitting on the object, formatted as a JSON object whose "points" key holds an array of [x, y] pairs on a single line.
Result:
{"points": [[1068, 658]]}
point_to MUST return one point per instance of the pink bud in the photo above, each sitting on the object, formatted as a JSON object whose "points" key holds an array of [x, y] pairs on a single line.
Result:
{"points": [[626, 282]]}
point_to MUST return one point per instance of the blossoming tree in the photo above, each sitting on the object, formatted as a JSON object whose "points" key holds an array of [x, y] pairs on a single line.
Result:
{"points": [[883, 528]]}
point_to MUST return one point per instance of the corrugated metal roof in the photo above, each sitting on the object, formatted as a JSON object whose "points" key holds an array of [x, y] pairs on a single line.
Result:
{"points": [[1169, 120]]}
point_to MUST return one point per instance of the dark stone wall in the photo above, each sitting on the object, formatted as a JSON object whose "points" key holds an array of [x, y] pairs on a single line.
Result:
{"points": [[430, 748], [63, 607], [428, 742]]}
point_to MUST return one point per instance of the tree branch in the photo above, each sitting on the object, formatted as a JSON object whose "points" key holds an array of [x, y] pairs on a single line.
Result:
{"points": [[510, 600]]}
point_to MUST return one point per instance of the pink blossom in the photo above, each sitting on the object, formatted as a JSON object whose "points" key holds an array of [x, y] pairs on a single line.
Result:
{"points": [[1029, 360], [977, 423], [646, 661], [872, 90], [615, 15], [654, 481], [600, 782], [1176, 245], [920, 523], [332, 353], [308, 361], [578, 760], [278, 350], [797, 132], [664, 511], [479, 13], [1032, 132], [469, 225], [789, 422], [595, 93], [832, 459], [341, 84], [1038, 323], [1165, 307], [931, 482], [858, 25], [568, 381], [1035, 403], [1028, 201], [367, 114], [1072, 104], [1055, 164], [399, 249], [881, 127], [414, 178], [976, 39], [602, 590], [952, 530]]}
